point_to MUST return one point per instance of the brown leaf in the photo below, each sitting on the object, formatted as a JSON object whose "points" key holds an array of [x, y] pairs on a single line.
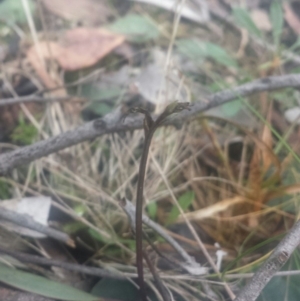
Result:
{"points": [[80, 48], [88, 12], [83, 47], [212, 211]]}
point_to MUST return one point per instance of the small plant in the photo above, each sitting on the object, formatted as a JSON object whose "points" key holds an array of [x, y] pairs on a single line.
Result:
{"points": [[24, 133]]}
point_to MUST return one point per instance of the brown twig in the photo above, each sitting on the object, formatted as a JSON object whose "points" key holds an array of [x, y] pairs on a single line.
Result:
{"points": [[150, 127], [28, 222], [113, 122], [161, 287]]}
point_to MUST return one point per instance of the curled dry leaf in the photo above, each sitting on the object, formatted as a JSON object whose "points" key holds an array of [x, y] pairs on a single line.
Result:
{"points": [[79, 48], [212, 210]]}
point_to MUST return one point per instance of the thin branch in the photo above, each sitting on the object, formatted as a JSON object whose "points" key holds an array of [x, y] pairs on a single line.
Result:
{"points": [[64, 265], [149, 131], [28, 222], [113, 122], [33, 98], [150, 126], [190, 265], [165, 293], [250, 275], [274, 263]]}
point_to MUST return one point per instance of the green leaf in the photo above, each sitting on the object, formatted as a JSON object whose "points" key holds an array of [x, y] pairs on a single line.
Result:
{"points": [[73, 227], [137, 28], [42, 286], [99, 237], [276, 17], [198, 51], [4, 190], [152, 209], [123, 290], [92, 92], [116, 289], [99, 108], [97, 96], [184, 201], [111, 241], [242, 18], [231, 108], [24, 133], [13, 11]]}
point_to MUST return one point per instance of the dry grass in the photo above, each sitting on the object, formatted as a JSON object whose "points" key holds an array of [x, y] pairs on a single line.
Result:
{"points": [[233, 173]]}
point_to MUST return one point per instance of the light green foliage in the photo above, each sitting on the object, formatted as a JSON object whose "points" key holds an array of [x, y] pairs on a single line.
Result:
{"points": [[110, 241], [152, 210], [198, 51], [137, 28], [98, 96], [184, 201], [242, 18], [99, 237], [80, 209], [94, 93], [24, 133], [42, 286], [12, 11], [99, 108], [4, 190], [231, 108], [276, 16], [126, 291], [73, 227], [106, 288]]}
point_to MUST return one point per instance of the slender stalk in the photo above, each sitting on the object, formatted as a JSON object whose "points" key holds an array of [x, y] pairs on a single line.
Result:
{"points": [[139, 211], [149, 128]]}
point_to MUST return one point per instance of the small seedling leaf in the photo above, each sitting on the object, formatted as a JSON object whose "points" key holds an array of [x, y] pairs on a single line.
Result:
{"points": [[184, 201], [99, 108], [94, 93], [243, 18], [99, 237], [230, 109], [137, 28], [116, 289], [42, 286], [152, 209], [198, 51]]}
